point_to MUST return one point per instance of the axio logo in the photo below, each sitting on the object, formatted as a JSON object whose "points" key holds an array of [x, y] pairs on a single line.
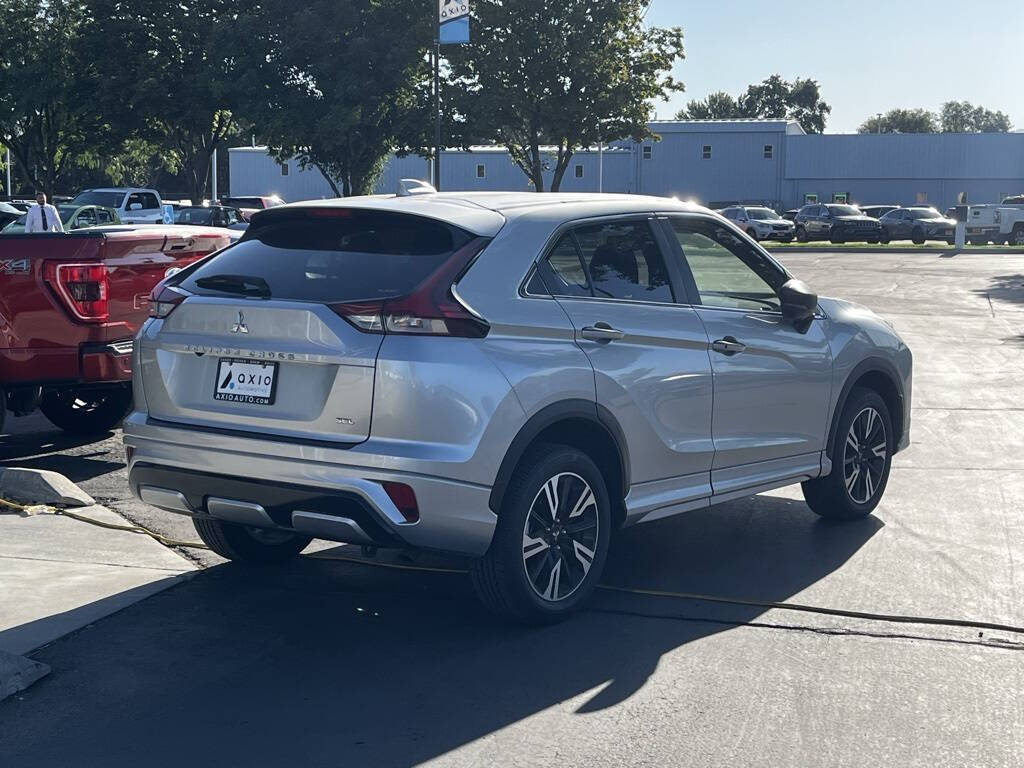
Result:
{"points": [[453, 9]]}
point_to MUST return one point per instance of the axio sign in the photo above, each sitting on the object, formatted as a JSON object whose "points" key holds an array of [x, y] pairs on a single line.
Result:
{"points": [[453, 16]]}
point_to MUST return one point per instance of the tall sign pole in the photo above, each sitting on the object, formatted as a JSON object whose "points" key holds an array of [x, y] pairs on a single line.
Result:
{"points": [[452, 29], [7, 165]]}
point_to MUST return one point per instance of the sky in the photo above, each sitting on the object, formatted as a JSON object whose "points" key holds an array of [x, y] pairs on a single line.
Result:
{"points": [[868, 56]]}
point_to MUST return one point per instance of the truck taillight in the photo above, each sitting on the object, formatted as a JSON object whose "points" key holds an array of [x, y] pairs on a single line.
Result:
{"points": [[83, 287]]}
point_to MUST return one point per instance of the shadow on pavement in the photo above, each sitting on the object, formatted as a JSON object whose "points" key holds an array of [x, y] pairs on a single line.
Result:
{"points": [[324, 662]]}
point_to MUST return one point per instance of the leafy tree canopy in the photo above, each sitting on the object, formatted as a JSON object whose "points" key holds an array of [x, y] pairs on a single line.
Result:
{"points": [[773, 98], [570, 73]]}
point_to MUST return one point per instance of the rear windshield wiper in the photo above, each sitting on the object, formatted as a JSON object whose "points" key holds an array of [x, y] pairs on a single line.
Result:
{"points": [[245, 285]]}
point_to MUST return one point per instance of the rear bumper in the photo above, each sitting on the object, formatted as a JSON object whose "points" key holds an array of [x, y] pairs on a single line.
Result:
{"points": [[87, 363], [327, 500]]}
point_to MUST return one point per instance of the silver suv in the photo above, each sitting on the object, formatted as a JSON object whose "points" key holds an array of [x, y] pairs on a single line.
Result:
{"points": [[509, 377]]}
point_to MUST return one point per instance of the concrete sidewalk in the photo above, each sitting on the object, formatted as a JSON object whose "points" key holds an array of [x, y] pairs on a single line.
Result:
{"points": [[59, 574]]}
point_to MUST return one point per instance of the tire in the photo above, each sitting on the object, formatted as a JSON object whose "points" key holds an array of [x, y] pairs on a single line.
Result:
{"points": [[917, 236], [1017, 236], [244, 544], [872, 241], [884, 238], [525, 583], [836, 239], [787, 240], [858, 478], [87, 411], [801, 235], [753, 235]]}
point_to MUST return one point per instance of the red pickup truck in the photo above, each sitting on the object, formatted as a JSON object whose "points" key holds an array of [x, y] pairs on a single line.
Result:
{"points": [[70, 305]]}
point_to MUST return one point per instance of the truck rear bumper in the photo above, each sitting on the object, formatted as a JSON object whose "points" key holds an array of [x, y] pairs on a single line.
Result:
{"points": [[87, 363]]}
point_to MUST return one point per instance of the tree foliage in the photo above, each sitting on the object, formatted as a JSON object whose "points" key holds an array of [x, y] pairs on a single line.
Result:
{"points": [[339, 83], [172, 81], [955, 117], [773, 98], [571, 74], [901, 121], [964, 117], [48, 116]]}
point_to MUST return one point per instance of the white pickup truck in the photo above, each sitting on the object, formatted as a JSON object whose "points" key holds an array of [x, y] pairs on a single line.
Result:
{"points": [[997, 223], [133, 205]]}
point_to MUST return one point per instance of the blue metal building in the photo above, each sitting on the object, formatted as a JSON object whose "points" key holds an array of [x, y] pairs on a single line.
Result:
{"points": [[714, 162]]}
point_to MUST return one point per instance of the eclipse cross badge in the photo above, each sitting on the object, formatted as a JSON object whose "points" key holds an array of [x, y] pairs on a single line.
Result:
{"points": [[240, 326]]}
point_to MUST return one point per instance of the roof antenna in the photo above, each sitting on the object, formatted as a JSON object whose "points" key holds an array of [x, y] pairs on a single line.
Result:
{"points": [[408, 187]]}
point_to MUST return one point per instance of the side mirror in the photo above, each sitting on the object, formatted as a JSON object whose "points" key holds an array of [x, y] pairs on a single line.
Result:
{"points": [[799, 304]]}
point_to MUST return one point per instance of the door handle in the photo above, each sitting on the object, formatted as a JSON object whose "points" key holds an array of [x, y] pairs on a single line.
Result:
{"points": [[728, 346], [601, 332]]}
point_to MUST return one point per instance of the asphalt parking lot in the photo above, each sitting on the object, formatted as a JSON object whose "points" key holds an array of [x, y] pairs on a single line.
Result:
{"points": [[326, 662]]}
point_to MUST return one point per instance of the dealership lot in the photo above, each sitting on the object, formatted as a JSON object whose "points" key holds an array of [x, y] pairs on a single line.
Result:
{"points": [[326, 661]]}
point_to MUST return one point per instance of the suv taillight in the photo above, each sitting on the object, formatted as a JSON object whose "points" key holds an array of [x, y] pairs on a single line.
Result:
{"points": [[83, 287], [164, 299], [430, 310]]}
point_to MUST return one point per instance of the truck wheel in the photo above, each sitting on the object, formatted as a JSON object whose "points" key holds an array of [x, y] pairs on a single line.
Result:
{"points": [[917, 236], [1017, 237], [245, 544], [87, 411]]}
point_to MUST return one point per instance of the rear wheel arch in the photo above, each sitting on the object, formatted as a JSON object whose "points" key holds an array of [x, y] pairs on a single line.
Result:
{"points": [[582, 424], [879, 375]]}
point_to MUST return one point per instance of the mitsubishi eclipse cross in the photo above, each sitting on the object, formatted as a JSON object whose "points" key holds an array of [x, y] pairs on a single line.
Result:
{"points": [[510, 377]]}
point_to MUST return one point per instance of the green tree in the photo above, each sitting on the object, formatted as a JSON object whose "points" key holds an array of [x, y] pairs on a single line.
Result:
{"points": [[339, 84], [717, 106], [48, 116], [773, 98], [570, 73], [964, 117], [169, 75], [901, 121]]}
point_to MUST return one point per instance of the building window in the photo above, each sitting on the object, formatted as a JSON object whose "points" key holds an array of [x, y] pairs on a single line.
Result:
{"points": [[579, 171], [922, 198], [481, 171], [810, 198], [647, 152], [706, 152], [840, 197], [769, 151], [284, 169]]}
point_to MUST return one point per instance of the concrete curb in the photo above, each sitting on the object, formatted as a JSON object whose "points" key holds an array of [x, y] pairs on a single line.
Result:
{"points": [[17, 673], [923, 250], [41, 486]]}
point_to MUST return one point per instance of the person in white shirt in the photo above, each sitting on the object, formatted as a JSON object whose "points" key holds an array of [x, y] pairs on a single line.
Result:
{"points": [[43, 217]]}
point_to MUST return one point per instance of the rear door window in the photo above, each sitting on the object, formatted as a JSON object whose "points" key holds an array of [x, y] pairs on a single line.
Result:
{"points": [[624, 261], [562, 271], [341, 255]]}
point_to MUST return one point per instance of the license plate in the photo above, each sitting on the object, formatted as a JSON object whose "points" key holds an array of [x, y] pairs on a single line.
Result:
{"points": [[243, 381], [974, 231]]}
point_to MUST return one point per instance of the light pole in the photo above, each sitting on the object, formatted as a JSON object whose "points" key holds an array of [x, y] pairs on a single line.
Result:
{"points": [[213, 190], [7, 165]]}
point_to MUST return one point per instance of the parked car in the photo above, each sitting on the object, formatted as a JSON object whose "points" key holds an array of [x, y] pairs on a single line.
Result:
{"points": [[760, 223], [877, 211], [133, 205], [837, 223], [72, 217], [70, 305], [507, 377], [8, 213], [248, 205], [918, 225], [207, 215]]}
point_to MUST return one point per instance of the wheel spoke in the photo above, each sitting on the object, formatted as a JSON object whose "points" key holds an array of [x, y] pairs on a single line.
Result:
{"points": [[851, 440], [879, 450], [585, 500], [584, 554], [869, 488], [852, 479], [551, 591], [532, 546], [551, 494]]}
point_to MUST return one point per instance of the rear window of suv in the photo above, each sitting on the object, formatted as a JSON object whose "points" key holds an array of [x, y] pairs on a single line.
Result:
{"points": [[341, 255]]}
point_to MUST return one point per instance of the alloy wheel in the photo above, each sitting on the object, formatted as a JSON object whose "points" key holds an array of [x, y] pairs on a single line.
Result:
{"points": [[864, 455], [560, 536]]}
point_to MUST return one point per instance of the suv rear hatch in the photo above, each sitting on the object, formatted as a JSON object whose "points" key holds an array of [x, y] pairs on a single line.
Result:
{"points": [[279, 333]]}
